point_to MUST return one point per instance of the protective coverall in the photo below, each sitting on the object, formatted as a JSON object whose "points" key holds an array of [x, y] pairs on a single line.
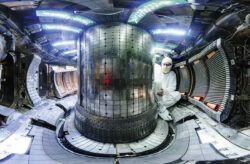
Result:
{"points": [[164, 87]]}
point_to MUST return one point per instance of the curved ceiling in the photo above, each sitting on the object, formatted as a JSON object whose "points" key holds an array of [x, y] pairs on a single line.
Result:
{"points": [[56, 24]]}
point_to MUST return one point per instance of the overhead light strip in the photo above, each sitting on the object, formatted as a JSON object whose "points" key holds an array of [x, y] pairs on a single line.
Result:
{"points": [[64, 15], [61, 27], [63, 43], [169, 31], [69, 52], [160, 49], [151, 6]]}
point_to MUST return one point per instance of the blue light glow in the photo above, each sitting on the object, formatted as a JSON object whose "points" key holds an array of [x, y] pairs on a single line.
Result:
{"points": [[75, 58], [61, 27], [69, 52], [63, 43], [64, 15], [169, 31], [151, 6], [161, 48], [166, 45]]}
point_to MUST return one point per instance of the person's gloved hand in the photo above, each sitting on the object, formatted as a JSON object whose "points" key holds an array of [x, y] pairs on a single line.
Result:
{"points": [[160, 93]]}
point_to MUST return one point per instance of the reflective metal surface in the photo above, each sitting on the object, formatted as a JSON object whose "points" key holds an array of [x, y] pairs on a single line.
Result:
{"points": [[75, 141], [2, 48], [116, 80]]}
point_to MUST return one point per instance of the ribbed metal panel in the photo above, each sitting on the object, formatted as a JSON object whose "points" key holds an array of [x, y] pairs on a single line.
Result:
{"points": [[215, 79], [185, 79], [219, 79], [201, 79], [32, 80]]}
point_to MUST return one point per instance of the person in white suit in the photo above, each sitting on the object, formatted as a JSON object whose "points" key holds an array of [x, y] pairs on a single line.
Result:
{"points": [[165, 88]]}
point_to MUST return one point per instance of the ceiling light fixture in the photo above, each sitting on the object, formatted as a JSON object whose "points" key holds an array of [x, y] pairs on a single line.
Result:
{"points": [[170, 31], [151, 6], [160, 49], [63, 43], [70, 52], [64, 15], [61, 27]]}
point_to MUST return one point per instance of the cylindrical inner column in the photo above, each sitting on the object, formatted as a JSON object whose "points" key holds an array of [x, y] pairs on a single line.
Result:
{"points": [[3, 53], [114, 103]]}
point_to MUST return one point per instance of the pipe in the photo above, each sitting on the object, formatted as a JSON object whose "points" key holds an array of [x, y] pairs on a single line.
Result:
{"points": [[223, 27]]}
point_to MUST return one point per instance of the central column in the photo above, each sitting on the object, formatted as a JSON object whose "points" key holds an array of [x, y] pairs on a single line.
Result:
{"points": [[114, 103]]}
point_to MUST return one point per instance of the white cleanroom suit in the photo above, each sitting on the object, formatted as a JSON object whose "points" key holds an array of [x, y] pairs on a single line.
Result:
{"points": [[165, 88]]}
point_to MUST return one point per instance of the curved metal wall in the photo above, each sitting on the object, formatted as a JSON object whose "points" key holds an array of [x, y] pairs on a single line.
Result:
{"points": [[64, 81], [201, 79], [184, 79], [219, 79], [32, 80], [116, 80], [214, 80]]}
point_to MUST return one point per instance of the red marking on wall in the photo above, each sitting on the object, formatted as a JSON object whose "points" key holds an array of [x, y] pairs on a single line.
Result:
{"points": [[107, 79]]}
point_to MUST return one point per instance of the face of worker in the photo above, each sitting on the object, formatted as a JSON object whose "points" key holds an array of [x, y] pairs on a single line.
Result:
{"points": [[166, 65]]}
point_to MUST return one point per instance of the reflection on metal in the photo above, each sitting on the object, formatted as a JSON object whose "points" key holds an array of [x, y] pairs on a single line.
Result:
{"points": [[17, 143], [64, 43], [70, 52], [64, 15], [184, 78], [65, 81], [61, 28], [169, 31], [225, 147], [115, 81], [162, 49], [170, 45], [151, 6], [1, 71], [20, 5], [80, 144], [200, 87], [3, 52]]}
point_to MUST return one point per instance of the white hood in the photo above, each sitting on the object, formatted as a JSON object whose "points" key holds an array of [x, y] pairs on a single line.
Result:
{"points": [[166, 65]]}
